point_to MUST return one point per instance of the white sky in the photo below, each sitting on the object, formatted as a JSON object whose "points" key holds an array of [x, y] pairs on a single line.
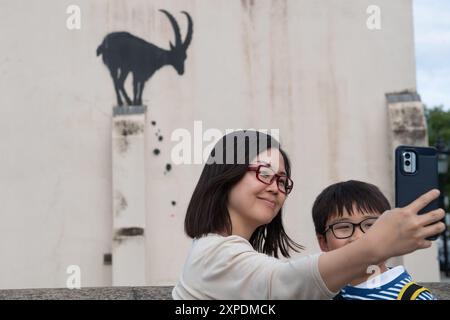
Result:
{"points": [[432, 41]]}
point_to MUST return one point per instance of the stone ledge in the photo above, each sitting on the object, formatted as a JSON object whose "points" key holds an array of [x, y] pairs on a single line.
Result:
{"points": [[95, 293], [439, 289]]}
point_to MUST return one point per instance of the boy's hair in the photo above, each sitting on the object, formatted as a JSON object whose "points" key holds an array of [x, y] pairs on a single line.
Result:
{"points": [[352, 194]]}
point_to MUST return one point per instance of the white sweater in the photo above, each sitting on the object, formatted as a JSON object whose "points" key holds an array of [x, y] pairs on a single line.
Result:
{"points": [[222, 268]]}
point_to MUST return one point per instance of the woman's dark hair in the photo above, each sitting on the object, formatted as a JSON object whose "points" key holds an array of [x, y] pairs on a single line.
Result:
{"points": [[227, 163], [351, 195]]}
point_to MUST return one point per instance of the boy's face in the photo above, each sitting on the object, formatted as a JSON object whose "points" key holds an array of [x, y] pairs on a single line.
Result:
{"points": [[329, 241]]}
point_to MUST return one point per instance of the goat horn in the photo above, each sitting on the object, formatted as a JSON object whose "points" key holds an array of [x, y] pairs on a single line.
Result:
{"points": [[175, 27], [188, 38]]}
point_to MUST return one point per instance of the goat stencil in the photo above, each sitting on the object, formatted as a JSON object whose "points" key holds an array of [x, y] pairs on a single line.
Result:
{"points": [[123, 53]]}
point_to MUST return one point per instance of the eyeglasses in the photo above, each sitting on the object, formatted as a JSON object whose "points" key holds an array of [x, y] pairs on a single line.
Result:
{"points": [[267, 176], [344, 230]]}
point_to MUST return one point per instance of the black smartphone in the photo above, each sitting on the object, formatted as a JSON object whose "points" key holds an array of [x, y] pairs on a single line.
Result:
{"points": [[416, 172]]}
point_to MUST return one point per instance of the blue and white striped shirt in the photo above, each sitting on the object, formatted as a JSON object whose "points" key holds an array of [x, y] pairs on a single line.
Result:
{"points": [[388, 286]]}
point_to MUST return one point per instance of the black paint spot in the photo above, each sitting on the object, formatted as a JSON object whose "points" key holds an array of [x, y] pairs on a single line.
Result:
{"points": [[130, 232], [153, 123], [160, 138], [107, 259], [174, 203], [168, 167], [156, 152]]}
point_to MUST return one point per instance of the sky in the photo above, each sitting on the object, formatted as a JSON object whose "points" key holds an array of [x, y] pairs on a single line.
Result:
{"points": [[432, 42]]}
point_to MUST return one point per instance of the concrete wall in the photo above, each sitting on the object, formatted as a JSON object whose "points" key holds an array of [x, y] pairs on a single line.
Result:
{"points": [[309, 68]]}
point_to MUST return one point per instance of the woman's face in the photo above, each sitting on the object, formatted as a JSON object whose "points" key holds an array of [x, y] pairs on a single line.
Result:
{"points": [[251, 203]]}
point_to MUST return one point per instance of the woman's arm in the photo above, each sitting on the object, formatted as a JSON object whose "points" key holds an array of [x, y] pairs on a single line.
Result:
{"points": [[396, 232]]}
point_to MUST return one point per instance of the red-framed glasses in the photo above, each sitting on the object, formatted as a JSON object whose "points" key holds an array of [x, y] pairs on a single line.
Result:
{"points": [[267, 176]]}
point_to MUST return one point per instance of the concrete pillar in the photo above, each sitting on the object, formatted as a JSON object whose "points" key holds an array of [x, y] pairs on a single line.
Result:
{"points": [[408, 127], [128, 165]]}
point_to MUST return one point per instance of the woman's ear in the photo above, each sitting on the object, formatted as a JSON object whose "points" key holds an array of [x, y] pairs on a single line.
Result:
{"points": [[322, 242]]}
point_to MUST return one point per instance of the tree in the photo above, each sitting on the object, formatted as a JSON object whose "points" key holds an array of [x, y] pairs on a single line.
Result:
{"points": [[438, 122]]}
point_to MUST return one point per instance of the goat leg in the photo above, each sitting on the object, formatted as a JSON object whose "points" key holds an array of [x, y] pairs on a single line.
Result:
{"points": [[116, 88], [121, 82], [135, 91], [141, 89]]}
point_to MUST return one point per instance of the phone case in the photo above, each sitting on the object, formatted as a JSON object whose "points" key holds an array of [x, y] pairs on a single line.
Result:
{"points": [[409, 186]]}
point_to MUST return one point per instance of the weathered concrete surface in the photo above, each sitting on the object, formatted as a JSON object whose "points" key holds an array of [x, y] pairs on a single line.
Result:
{"points": [[129, 194], [440, 290], [407, 119], [107, 293], [408, 126]]}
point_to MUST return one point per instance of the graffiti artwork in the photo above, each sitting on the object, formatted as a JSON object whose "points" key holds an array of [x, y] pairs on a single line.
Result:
{"points": [[124, 53]]}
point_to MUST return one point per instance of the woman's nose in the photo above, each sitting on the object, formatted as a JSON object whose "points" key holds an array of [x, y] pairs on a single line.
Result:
{"points": [[273, 187]]}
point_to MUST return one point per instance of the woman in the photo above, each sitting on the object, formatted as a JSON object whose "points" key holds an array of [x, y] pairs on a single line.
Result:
{"points": [[235, 219]]}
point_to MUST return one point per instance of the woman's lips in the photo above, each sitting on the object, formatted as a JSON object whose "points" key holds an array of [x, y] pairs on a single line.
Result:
{"points": [[269, 203]]}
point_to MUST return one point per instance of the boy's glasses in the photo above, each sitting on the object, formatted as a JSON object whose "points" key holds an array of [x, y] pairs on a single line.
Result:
{"points": [[344, 230], [267, 176]]}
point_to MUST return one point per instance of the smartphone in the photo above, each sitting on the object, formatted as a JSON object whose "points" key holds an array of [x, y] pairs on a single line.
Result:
{"points": [[415, 174]]}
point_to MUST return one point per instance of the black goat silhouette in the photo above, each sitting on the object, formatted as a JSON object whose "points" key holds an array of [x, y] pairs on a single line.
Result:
{"points": [[124, 53]]}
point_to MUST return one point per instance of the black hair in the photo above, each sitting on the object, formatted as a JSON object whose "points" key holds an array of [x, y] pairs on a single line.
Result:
{"points": [[352, 194]]}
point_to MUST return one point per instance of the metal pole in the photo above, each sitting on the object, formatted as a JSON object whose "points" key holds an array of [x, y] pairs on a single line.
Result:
{"points": [[444, 236]]}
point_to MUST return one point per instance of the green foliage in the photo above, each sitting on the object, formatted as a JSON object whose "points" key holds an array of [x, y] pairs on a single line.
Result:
{"points": [[438, 121]]}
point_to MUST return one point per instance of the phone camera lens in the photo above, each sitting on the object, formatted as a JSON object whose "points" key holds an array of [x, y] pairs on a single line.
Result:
{"points": [[407, 156], [407, 163]]}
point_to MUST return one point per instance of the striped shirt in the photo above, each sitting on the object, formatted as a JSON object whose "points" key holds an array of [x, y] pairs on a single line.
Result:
{"points": [[386, 286]]}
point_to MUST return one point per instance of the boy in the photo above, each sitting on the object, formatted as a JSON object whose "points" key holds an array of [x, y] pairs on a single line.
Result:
{"points": [[342, 213]]}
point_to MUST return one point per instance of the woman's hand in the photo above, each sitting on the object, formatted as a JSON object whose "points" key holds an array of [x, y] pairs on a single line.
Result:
{"points": [[401, 230]]}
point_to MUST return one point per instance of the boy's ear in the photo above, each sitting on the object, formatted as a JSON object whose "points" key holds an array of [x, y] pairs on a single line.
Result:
{"points": [[322, 242]]}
